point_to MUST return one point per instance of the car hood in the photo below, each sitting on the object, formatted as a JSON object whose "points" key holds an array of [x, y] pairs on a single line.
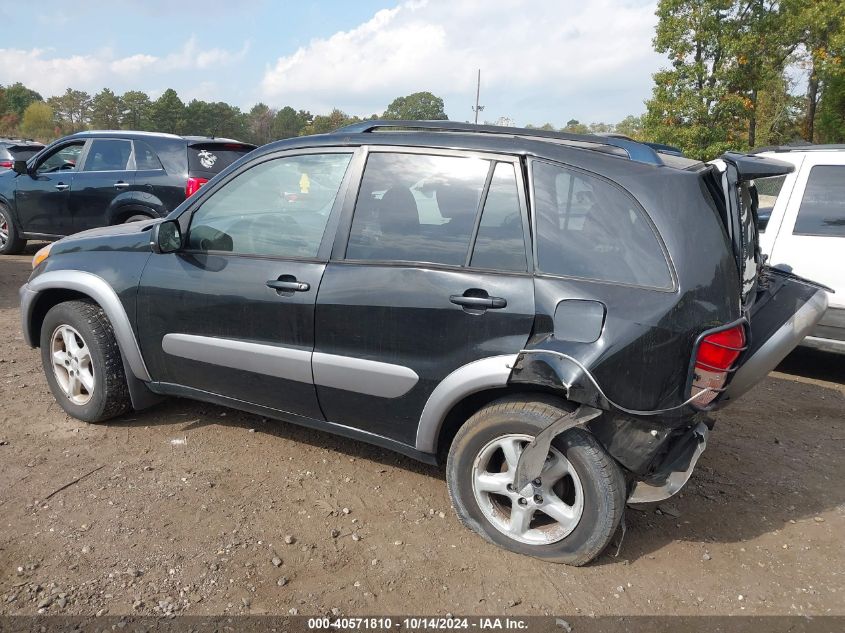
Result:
{"points": [[130, 236]]}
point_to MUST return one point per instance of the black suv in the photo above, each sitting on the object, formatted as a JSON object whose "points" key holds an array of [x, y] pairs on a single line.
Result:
{"points": [[554, 314], [94, 179]]}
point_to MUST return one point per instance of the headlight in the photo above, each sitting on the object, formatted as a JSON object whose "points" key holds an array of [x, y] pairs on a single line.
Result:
{"points": [[41, 255]]}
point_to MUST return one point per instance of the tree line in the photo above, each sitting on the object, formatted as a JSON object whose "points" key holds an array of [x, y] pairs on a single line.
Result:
{"points": [[23, 112], [748, 73], [741, 74]]}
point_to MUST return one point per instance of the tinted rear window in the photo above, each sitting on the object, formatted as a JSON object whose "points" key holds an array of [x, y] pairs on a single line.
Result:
{"points": [[212, 158], [822, 210], [590, 228]]}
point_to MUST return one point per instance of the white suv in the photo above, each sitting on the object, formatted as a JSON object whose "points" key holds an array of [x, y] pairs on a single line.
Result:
{"points": [[802, 223]]}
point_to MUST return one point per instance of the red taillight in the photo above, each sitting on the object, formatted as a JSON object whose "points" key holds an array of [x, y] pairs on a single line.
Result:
{"points": [[721, 349], [714, 359], [193, 185], [6, 164]]}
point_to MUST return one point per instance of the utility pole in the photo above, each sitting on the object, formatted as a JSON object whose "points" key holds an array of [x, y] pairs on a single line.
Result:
{"points": [[477, 108]]}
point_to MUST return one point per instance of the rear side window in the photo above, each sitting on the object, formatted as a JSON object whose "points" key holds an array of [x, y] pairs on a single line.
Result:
{"points": [[822, 210], [590, 228], [145, 157], [500, 243], [415, 207], [211, 158], [108, 155]]}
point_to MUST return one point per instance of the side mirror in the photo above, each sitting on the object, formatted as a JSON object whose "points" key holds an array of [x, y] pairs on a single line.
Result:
{"points": [[19, 167], [166, 237]]}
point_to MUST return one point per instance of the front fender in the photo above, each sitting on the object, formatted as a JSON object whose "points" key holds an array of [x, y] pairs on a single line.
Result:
{"points": [[100, 291]]}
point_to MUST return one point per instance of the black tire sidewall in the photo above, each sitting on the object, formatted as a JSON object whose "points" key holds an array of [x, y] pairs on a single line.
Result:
{"points": [[577, 445], [14, 244], [66, 314]]}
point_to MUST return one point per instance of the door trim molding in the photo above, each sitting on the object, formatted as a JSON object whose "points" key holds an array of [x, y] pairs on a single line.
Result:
{"points": [[360, 375]]}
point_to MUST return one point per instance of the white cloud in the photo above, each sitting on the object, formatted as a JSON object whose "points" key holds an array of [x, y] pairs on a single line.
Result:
{"points": [[41, 70], [580, 55]]}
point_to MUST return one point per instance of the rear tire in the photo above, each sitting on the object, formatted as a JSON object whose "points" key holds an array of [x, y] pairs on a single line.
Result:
{"points": [[10, 241], [138, 217], [82, 362], [571, 517]]}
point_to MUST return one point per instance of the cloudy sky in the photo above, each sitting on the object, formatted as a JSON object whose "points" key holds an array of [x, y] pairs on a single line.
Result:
{"points": [[540, 60]]}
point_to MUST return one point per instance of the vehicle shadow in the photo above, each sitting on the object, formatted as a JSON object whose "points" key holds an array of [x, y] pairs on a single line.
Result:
{"points": [[173, 412], [816, 364]]}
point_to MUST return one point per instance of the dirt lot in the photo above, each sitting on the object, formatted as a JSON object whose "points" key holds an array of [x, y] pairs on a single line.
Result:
{"points": [[202, 526]]}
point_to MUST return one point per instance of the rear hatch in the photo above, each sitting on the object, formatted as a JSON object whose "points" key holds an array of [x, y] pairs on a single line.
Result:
{"points": [[18, 151], [207, 158], [778, 308]]}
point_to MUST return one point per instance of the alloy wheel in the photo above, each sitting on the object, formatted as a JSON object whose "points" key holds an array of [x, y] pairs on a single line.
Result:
{"points": [[545, 511], [72, 364]]}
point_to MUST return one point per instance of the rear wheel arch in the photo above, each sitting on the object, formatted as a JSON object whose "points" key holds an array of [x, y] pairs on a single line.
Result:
{"points": [[124, 213], [463, 410]]}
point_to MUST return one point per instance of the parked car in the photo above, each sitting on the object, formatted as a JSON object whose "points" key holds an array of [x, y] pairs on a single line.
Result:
{"points": [[94, 179], [802, 228], [551, 314], [12, 149]]}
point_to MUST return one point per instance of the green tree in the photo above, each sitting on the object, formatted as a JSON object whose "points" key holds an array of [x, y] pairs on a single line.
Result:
{"points": [[819, 26], [289, 123], [167, 113], [38, 122], [72, 109], [419, 106], [136, 110], [260, 124], [778, 113], [17, 98], [573, 126], [631, 126], [107, 110], [322, 124], [830, 119]]}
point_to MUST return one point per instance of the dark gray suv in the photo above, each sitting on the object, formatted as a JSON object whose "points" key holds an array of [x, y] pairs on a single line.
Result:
{"points": [[553, 315]]}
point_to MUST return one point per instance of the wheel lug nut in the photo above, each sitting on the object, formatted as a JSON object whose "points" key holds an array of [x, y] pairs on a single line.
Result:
{"points": [[510, 487], [537, 481], [538, 499], [523, 501]]}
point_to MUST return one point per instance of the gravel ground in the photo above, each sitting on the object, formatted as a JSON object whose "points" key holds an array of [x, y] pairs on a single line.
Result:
{"points": [[189, 508]]}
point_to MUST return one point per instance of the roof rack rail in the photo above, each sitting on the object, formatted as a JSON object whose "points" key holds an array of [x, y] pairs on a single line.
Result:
{"points": [[798, 147], [636, 151]]}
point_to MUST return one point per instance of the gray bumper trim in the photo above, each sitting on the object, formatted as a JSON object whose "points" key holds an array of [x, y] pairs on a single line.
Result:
{"points": [[783, 341], [644, 492], [100, 291]]}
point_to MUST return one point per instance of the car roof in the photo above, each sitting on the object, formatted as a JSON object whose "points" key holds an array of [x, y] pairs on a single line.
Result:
{"points": [[807, 147], [130, 134], [20, 142]]}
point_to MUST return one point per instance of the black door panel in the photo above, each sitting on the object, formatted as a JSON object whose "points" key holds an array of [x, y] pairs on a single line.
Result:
{"points": [[230, 333], [94, 193], [403, 316], [42, 203]]}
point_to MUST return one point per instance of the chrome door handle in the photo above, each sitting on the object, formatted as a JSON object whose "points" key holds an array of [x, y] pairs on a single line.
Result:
{"points": [[296, 286], [121, 185], [62, 186]]}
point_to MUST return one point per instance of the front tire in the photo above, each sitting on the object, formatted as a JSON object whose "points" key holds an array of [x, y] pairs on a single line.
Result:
{"points": [[575, 506], [82, 362], [10, 241]]}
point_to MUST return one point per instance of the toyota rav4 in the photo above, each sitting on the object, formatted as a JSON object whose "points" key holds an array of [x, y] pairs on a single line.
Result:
{"points": [[551, 314]]}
